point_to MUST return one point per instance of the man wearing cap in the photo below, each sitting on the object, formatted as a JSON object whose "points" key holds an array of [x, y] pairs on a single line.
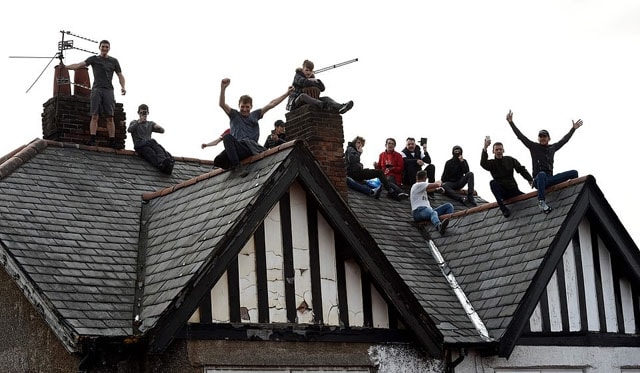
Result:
{"points": [[277, 136], [542, 154], [456, 175]]}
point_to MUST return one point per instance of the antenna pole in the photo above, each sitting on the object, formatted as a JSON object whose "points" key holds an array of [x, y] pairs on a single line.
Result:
{"points": [[334, 66]]}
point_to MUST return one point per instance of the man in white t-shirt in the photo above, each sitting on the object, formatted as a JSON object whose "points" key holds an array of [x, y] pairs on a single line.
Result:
{"points": [[420, 206]]}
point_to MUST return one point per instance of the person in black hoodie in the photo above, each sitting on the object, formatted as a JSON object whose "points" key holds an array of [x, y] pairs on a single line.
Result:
{"points": [[305, 80], [456, 175]]}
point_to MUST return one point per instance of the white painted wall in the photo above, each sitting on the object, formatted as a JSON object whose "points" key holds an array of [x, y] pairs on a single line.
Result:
{"points": [[353, 284], [300, 238], [220, 300], [328, 275], [590, 359], [247, 281], [275, 268]]}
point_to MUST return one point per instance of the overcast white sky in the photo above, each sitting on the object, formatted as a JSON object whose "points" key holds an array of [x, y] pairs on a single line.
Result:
{"points": [[446, 70]]}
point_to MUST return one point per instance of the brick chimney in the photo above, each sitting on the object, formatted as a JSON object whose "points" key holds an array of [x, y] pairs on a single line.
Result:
{"points": [[324, 136], [66, 117]]}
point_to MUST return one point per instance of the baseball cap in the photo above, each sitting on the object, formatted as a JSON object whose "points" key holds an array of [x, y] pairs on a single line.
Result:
{"points": [[543, 133]]}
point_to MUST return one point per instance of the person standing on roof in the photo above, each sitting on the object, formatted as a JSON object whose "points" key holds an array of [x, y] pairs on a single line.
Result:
{"points": [[420, 206], [242, 141], [103, 101], [503, 185], [148, 148], [456, 175], [542, 154]]}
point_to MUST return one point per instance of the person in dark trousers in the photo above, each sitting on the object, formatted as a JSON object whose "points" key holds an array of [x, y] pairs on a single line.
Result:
{"points": [[148, 148], [414, 159], [103, 101], [456, 175], [357, 172], [542, 154], [503, 186], [307, 89], [277, 136], [242, 141]]}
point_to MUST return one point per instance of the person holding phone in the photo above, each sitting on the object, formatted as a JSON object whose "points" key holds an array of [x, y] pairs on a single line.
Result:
{"points": [[414, 160], [504, 185], [148, 148]]}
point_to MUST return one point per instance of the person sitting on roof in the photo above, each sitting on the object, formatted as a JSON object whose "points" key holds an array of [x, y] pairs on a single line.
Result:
{"points": [[148, 148], [503, 185], [277, 136], [456, 175], [542, 154], [305, 81], [414, 159], [392, 164], [242, 141], [357, 172], [420, 206]]}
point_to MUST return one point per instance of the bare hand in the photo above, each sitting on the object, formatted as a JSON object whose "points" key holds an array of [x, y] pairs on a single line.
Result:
{"points": [[510, 117], [577, 124], [460, 158], [123, 91], [203, 146], [487, 142], [225, 82]]}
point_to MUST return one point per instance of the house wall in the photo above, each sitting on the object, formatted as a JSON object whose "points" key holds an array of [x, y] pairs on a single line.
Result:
{"points": [[275, 237], [27, 343], [590, 359], [587, 292]]}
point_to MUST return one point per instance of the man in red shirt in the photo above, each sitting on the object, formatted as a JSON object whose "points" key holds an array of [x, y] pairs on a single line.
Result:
{"points": [[391, 162]]}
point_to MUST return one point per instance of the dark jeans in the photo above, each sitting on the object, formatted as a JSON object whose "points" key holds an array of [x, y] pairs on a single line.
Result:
{"points": [[542, 181], [153, 153], [362, 188], [501, 193], [234, 151], [451, 187], [411, 169], [369, 173]]}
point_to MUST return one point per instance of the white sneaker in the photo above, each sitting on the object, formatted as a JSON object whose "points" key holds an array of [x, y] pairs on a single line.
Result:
{"points": [[544, 207]]}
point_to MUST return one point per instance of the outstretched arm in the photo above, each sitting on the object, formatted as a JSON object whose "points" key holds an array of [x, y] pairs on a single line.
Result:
{"points": [[565, 139], [78, 65], [222, 101], [518, 133], [275, 101]]}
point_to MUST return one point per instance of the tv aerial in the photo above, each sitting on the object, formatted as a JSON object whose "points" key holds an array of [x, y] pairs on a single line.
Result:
{"points": [[63, 45]]}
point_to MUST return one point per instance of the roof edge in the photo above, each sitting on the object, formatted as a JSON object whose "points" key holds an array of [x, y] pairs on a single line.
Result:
{"points": [[522, 197], [163, 192]]}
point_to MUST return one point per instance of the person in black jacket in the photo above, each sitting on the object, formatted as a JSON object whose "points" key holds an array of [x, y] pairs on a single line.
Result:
{"points": [[503, 186], [542, 154], [456, 175], [414, 159], [277, 136], [306, 80]]}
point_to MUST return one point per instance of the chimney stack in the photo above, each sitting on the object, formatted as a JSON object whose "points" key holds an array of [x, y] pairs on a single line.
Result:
{"points": [[324, 135]]}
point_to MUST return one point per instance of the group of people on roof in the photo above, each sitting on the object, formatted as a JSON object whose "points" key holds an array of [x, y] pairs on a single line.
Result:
{"points": [[411, 169], [397, 172]]}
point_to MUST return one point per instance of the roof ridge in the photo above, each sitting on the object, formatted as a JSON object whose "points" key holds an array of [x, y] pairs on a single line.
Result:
{"points": [[163, 192], [522, 197], [18, 157]]}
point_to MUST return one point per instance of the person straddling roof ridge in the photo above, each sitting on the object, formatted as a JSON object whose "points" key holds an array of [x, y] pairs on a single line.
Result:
{"points": [[103, 101], [421, 208], [414, 159], [357, 172], [392, 164], [277, 136], [456, 175], [305, 80], [148, 148], [542, 154], [504, 185], [242, 141]]}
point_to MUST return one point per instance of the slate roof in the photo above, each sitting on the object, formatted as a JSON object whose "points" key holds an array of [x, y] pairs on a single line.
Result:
{"points": [[73, 221], [70, 219]]}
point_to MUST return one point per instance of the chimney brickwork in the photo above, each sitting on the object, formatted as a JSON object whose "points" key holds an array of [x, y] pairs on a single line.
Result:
{"points": [[324, 135], [66, 118]]}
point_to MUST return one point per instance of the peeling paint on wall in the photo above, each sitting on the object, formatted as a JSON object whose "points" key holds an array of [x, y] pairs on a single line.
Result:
{"points": [[220, 300], [353, 278], [393, 358], [328, 274], [275, 263], [248, 281], [301, 260]]}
